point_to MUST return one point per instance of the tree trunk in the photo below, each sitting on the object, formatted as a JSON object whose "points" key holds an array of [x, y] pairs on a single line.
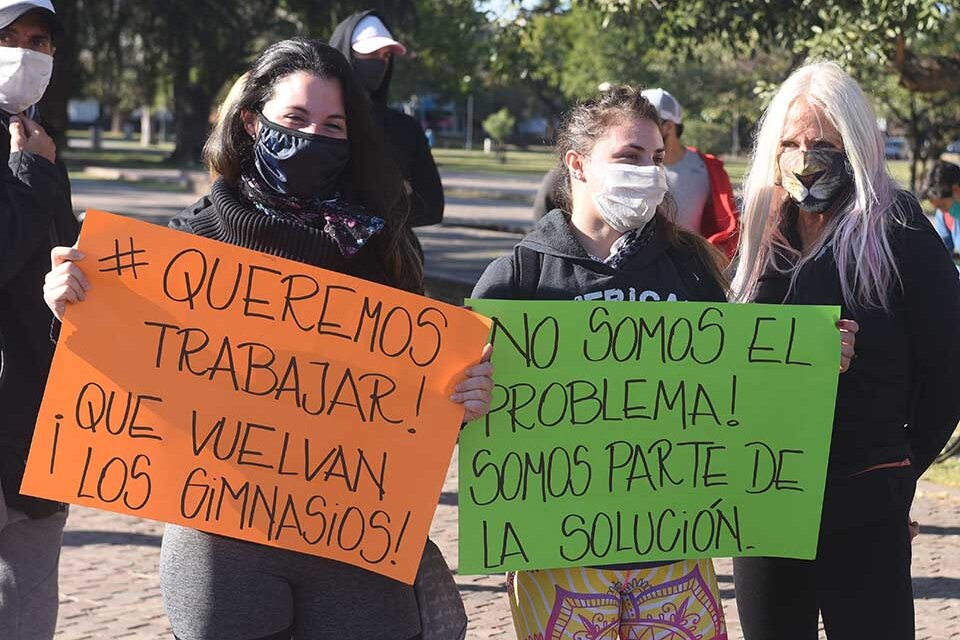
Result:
{"points": [[926, 74], [191, 124], [915, 156], [64, 79], [116, 120], [146, 126]]}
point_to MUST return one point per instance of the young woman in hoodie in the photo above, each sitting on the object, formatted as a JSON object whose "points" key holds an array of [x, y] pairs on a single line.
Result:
{"points": [[598, 247], [304, 176]]}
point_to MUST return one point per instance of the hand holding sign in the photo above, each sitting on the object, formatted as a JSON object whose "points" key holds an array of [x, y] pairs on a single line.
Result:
{"points": [[241, 394], [66, 282]]}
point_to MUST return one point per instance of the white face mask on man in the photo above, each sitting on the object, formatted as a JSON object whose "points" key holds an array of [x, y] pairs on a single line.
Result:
{"points": [[24, 76], [630, 195]]}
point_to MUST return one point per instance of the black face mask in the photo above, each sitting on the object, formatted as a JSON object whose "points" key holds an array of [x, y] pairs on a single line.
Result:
{"points": [[301, 164], [370, 72]]}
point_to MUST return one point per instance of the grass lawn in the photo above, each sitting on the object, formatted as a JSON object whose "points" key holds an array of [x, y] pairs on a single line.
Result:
{"points": [[947, 473], [527, 163], [530, 162], [538, 162], [117, 158]]}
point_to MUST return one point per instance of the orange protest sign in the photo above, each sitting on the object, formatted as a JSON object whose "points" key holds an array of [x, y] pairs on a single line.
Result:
{"points": [[237, 393]]}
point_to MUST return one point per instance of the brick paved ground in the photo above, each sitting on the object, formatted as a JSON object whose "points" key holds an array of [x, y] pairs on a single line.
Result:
{"points": [[109, 581], [110, 589]]}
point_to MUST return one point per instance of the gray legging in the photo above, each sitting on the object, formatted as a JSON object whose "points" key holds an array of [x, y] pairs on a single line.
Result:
{"points": [[217, 588]]}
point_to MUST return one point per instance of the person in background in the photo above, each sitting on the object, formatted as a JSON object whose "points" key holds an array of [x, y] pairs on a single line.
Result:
{"points": [[548, 194], [942, 190], [367, 43], [698, 182], [35, 215]]}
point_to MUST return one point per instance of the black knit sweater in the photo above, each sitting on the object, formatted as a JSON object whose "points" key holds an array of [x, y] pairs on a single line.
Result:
{"points": [[223, 216]]}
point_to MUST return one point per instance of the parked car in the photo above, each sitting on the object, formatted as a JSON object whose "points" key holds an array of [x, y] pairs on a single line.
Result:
{"points": [[896, 149]]}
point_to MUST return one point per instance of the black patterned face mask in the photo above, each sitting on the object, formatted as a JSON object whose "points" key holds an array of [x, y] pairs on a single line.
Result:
{"points": [[301, 164], [815, 178]]}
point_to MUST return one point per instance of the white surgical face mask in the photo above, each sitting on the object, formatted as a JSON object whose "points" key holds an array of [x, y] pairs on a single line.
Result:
{"points": [[630, 195], [24, 76]]}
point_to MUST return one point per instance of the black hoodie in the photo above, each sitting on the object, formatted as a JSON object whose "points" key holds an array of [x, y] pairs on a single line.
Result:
{"points": [[551, 264], [35, 216], [404, 136], [658, 271]]}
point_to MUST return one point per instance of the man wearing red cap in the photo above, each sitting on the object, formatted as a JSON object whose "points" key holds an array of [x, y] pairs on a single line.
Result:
{"points": [[35, 216], [367, 43]]}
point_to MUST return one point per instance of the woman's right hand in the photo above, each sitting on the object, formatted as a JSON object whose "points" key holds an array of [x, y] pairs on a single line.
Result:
{"points": [[66, 282]]}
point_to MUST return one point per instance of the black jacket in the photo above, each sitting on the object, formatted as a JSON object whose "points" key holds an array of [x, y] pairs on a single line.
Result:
{"points": [[551, 264], [899, 398], [564, 271], [404, 136], [36, 214]]}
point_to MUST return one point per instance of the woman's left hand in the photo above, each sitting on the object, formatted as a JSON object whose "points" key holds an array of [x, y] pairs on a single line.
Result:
{"points": [[848, 340], [474, 392]]}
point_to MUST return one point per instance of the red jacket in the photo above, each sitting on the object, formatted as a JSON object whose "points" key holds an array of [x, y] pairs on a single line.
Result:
{"points": [[719, 224]]}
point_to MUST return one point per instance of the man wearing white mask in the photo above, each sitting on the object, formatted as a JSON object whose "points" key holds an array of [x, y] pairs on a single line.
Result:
{"points": [[35, 216]]}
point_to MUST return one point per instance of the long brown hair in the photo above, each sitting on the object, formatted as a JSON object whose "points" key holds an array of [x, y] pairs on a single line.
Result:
{"points": [[587, 122], [375, 179]]}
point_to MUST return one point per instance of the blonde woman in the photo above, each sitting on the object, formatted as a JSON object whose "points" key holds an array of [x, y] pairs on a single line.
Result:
{"points": [[823, 223]]}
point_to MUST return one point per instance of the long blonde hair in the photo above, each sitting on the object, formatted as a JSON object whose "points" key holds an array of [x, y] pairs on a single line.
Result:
{"points": [[859, 234]]}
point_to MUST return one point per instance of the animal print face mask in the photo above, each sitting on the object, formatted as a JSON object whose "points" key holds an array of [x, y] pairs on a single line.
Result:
{"points": [[814, 178]]}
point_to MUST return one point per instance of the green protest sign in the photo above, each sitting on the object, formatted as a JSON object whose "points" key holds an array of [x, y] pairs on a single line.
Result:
{"points": [[638, 432]]}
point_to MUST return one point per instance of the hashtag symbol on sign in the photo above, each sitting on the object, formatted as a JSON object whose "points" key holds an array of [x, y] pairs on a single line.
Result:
{"points": [[124, 260]]}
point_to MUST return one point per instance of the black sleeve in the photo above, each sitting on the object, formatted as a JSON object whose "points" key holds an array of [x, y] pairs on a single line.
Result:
{"points": [[33, 198], [931, 291], [498, 281], [68, 227], [426, 199], [546, 201]]}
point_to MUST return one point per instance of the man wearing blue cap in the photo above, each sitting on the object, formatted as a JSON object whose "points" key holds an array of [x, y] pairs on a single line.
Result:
{"points": [[35, 216]]}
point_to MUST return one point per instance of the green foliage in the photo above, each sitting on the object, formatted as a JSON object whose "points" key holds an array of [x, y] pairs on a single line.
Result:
{"points": [[710, 137], [904, 52], [499, 125]]}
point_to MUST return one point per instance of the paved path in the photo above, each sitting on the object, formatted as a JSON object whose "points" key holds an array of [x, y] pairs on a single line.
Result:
{"points": [[475, 232], [109, 582], [109, 586]]}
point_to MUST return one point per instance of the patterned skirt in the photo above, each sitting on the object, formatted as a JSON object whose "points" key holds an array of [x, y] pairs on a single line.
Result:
{"points": [[677, 601]]}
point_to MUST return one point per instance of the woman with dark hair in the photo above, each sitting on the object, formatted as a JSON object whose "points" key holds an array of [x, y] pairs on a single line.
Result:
{"points": [[303, 176]]}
